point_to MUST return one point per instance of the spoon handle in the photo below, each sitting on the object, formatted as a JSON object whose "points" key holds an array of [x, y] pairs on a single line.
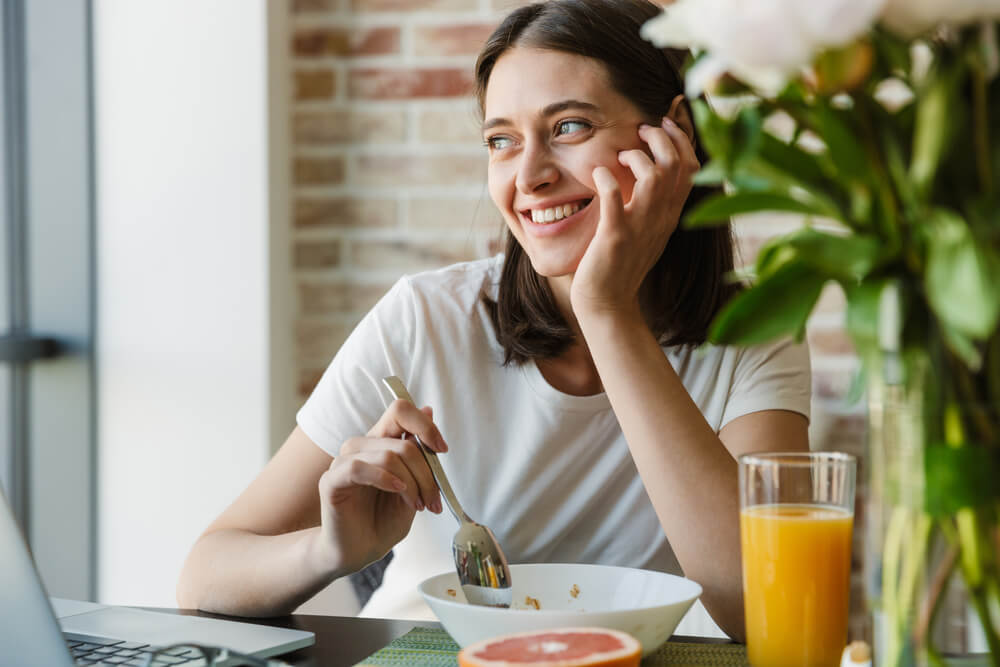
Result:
{"points": [[398, 389]]}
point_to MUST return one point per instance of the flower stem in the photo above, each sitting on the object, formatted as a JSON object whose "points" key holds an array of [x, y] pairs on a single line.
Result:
{"points": [[928, 611]]}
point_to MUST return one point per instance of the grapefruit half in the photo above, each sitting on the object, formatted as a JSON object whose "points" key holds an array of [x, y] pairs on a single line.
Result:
{"points": [[558, 647]]}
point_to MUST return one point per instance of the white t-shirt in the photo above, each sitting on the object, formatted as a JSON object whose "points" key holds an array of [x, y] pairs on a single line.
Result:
{"points": [[548, 472]]}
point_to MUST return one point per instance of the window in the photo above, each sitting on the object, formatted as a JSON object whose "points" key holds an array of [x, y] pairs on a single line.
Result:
{"points": [[46, 286]]}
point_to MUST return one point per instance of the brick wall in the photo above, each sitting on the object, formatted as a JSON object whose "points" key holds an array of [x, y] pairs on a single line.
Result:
{"points": [[389, 177]]}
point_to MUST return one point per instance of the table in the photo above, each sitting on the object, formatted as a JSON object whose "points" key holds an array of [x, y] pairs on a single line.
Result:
{"points": [[343, 641]]}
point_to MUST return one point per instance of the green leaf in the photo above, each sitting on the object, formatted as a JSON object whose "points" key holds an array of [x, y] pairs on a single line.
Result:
{"points": [[712, 173], [747, 131], [712, 131], [805, 168], [772, 256], [863, 312], [935, 124], [959, 477], [777, 306], [963, 347], [843, 147], [893, 51], [718, 209], [846, 258], [730, 141], [759, 174], [962, 279]]}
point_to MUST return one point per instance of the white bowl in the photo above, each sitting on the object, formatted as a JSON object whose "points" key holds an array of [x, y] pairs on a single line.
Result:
{"points": [[648, 605]]}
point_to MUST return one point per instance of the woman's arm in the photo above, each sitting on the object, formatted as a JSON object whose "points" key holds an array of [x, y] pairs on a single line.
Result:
{"points": [[689, 472], [308, 519]]}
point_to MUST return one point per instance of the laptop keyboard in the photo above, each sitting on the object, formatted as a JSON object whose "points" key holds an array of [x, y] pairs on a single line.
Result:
{"points": [[100, 651]]}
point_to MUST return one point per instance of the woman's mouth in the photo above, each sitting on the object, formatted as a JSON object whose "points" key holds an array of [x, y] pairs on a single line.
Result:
{"points": [[546, 216]]}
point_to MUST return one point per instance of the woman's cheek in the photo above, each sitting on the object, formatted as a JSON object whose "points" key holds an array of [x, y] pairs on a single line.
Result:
{"points": [[500, 187]]}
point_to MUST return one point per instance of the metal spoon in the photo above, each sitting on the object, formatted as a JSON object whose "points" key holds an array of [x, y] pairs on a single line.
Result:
{"points": [[482, 567]]}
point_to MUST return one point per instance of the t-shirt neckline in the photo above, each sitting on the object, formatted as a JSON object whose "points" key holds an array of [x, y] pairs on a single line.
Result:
{"points": [[552, 396]]}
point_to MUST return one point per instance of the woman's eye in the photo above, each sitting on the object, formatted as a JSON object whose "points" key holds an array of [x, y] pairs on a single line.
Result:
{"points": [[571, 126], [498, 143]]}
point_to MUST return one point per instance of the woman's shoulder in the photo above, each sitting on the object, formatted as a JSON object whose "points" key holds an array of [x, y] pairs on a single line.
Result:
{"points": [[730, 364], [783, 350], [458, 285]]}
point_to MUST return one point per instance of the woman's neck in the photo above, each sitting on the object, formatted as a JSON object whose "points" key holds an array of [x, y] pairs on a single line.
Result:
{"points": [[572, 372], [559, 286]]}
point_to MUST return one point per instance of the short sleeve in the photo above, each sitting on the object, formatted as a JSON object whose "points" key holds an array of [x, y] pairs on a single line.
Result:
{"points": [[349, 398], [773, 376]]}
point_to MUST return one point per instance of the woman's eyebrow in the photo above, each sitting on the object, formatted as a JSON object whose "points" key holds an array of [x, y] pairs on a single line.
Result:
{"points": [[554, 108]]}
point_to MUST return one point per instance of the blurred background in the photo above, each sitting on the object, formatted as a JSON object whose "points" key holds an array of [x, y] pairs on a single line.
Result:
{"points": [[199, 201]]}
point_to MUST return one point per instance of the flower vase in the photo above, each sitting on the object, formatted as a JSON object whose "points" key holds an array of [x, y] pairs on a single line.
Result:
{"points": [[931, 520]]}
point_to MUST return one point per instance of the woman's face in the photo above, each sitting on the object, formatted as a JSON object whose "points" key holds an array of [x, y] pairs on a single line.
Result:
{"points": [[550, 119]]}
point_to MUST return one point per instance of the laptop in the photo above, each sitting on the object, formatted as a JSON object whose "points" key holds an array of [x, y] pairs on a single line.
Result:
{"points": [[52, 632]]}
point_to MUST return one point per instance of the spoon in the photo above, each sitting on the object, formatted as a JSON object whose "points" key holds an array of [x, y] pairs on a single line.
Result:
{"points": [[482, 567]]}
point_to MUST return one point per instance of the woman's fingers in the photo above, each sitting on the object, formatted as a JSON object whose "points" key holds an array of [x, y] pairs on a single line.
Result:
{"points": [[639, 163], [403, 417], [682, 144], [661, 144], [609, 194], [359, 472], [401, 459]]}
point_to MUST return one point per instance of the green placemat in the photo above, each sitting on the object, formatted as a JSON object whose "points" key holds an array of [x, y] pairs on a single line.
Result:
{"points": [[431, 647]]}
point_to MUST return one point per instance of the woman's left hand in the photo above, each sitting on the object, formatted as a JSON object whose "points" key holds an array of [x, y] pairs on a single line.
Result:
{"points": [[631, 237]]}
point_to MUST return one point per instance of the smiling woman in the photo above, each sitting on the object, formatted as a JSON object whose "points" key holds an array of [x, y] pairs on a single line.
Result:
{"points": [[603, 86], [584, 425]]}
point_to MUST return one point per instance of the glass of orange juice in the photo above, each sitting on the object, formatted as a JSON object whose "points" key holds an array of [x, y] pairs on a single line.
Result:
{"points": [[796, 518]]}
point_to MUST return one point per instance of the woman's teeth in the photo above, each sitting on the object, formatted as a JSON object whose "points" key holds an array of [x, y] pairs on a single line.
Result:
{"points": [[544, 215]]}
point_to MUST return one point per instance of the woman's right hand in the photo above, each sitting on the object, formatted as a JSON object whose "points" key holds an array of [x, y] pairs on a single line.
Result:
{"points": [[373, 489]]}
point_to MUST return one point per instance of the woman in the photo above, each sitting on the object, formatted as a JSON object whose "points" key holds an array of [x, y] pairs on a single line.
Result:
{"points": [[582, 424]]}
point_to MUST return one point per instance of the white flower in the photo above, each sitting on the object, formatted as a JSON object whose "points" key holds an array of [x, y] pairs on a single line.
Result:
{"points": [[910, 18], [761, 42]]}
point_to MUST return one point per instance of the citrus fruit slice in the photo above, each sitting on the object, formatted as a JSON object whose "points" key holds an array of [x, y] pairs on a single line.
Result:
{"points": [[558, 647]]}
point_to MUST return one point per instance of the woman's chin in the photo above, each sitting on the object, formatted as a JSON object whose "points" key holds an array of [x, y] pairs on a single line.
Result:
{"points": [[555, 268]]}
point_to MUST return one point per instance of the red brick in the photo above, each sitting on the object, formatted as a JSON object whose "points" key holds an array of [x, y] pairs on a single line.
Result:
{"points": [[401, 84], [344, 212], [346, 126], [305, 6], [314, 84], [402, 170], [454, 126], [318, 171], [410, 5], [340, 41], [319, 340], [451, 214], [308, 379], [339, 297], [451, 40], [409, 255], [323, 254]]}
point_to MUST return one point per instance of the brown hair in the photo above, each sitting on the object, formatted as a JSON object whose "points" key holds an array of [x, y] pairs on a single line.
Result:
{"points": [[686, 287]]}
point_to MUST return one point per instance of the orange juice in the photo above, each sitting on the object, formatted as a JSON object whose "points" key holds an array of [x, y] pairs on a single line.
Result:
{"points": [[796, 581]]}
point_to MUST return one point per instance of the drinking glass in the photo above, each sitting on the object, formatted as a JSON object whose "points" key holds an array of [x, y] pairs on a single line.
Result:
{"points": [[796, 519]]}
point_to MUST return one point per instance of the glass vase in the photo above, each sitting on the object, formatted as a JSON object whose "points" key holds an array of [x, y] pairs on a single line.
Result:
{"points": [[931, 519]]}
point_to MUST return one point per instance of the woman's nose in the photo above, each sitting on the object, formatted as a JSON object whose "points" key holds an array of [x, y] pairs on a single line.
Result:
{"points": [[536, 170]]}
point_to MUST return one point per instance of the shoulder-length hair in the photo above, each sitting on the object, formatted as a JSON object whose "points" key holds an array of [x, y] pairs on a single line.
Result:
{"points": [[687, 285]]}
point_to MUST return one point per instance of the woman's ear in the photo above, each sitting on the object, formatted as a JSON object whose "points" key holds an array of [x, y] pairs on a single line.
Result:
{"points": [[680, 115]]}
